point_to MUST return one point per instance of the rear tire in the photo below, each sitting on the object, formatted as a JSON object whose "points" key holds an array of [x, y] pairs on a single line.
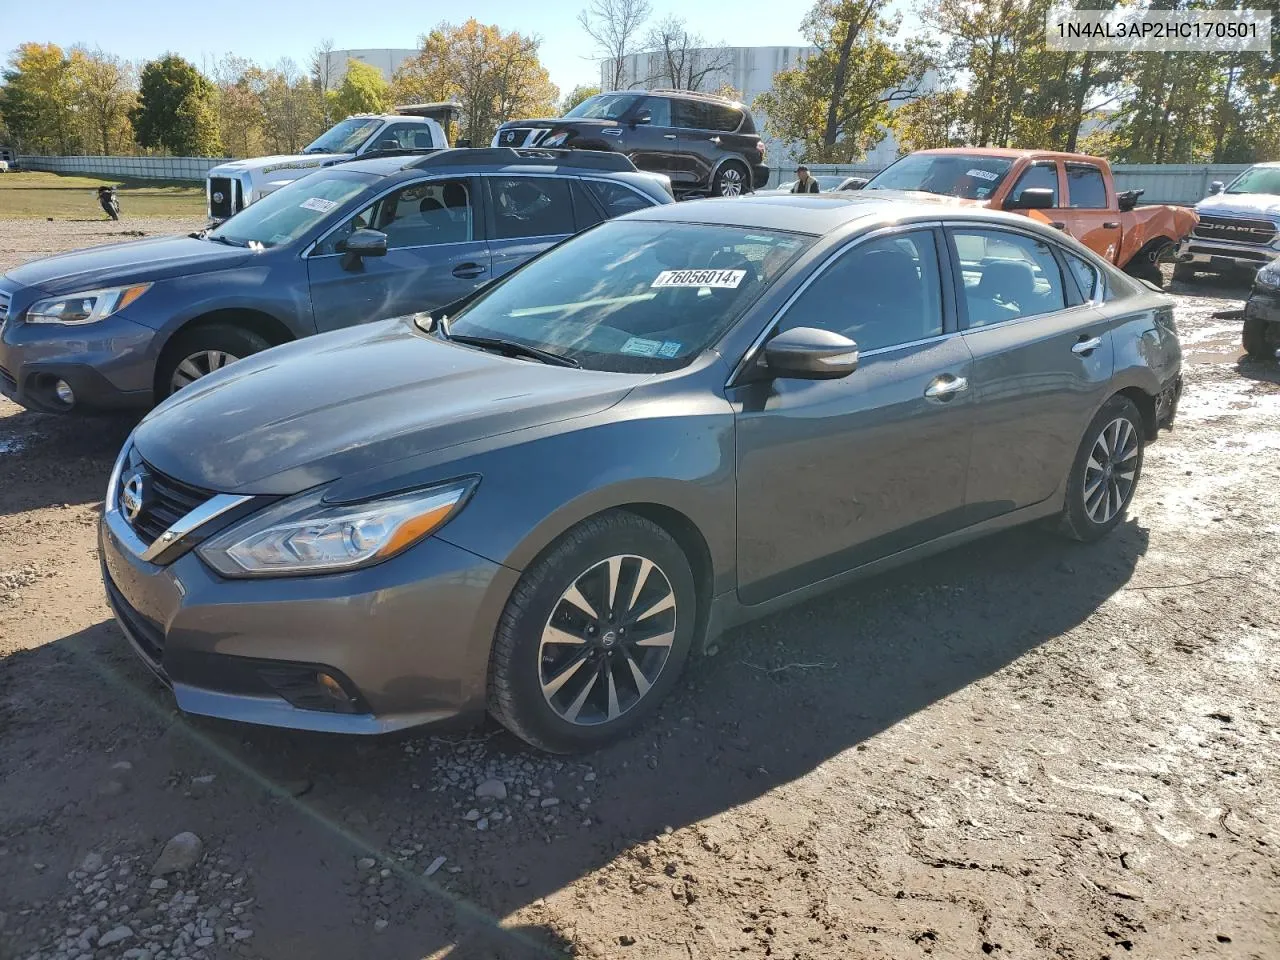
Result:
{"points": [[566, 678], [1105, 472], [195, 353], [731, 180], [1257, 341]]}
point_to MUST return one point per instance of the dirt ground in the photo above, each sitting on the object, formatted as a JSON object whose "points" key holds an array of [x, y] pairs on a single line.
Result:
{"points": [[1023, 748]]}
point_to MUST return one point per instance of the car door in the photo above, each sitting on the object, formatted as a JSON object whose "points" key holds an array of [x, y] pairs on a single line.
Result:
{"points": [[436, 253], [1091, 214], [526, 215], [653, 142], [1042, 364], [699, 141], [833, 474]]}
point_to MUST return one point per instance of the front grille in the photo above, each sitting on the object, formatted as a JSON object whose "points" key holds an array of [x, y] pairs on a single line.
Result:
{"points": [[146, 633], [223, 187], [166, 501], [1237, 229], [521, 136], [1234, 254]]}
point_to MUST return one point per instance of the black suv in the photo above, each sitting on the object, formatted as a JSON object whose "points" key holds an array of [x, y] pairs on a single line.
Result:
{"points": [[704, 143]]}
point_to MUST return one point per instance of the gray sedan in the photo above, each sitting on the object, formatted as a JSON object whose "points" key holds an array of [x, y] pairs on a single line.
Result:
{"points": [[541, 500]]}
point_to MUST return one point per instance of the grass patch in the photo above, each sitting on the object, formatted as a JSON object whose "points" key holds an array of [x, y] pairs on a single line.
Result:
{"points": [[36, 194]]}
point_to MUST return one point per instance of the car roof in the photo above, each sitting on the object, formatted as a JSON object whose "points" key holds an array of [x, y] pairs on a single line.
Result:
{"points": [[1008, 153], [411, 163], [816, 213]]}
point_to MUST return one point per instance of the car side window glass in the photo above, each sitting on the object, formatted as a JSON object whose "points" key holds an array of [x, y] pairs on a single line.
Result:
{"points": [[1007, 276], [585, 213], [403, 136], [419, 215], [1043, 176], [1086, 275], [882, 293], [531, 207], [690, 115], [659, 110], [726, 119], [1086, 190], [617, 199]]}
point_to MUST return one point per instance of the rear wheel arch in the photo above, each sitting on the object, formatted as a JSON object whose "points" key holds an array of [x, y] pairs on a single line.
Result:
{"points": [[1146, 404]]}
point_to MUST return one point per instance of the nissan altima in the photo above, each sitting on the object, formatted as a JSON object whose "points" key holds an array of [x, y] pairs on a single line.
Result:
{"points": [[540, 500]]}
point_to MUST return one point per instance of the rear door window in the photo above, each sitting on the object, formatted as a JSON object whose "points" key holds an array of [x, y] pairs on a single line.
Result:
{"points": [[1086, 190], [1007, 276], [692, 115], [530, 207]]}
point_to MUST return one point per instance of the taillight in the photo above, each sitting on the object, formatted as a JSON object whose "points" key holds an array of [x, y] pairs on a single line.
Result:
{"points": [[760, 147]]}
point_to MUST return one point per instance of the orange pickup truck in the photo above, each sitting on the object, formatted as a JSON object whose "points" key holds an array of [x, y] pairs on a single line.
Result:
{"points": [[1071, 191]]}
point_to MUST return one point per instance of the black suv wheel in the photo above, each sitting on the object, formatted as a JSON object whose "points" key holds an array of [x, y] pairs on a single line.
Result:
{"points": [[731, 180]]}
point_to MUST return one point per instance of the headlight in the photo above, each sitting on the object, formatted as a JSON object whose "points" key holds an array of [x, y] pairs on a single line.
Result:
{"points": [[88, 307], [1269, 276], [303, 535], [556, 139]]}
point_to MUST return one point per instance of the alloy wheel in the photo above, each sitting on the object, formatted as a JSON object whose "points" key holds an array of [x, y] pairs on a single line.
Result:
{"points": [[607, 640], [197, 365], [1110, 471], [731, 182]]}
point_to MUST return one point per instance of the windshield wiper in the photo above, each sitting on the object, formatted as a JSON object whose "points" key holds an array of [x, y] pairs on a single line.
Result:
{"points": [[213, 238], [508, 347]]}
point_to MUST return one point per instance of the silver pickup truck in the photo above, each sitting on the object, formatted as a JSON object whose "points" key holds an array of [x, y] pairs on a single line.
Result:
{"points": [[1239, 226], [417, 128]]}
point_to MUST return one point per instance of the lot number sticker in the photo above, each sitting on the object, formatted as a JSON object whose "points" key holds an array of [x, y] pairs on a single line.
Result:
{"points": [[982, 174], [726, 279], [318, 204], [640, 347]]}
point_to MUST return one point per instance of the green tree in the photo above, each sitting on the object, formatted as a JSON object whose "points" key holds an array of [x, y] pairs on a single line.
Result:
{"points": [[837, 104], [931, 121], [363, 90], [239, 84], [576, 96], [103, 93], [37, 100], [175, 110], [291, 108]]}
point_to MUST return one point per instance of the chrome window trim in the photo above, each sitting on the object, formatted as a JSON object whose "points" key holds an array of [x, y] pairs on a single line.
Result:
{"points": [[750, 353]]}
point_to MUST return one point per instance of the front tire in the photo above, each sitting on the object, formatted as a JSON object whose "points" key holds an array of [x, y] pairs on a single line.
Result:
{"points": [[1260, 343], [594, 635], [1184, 272], [731, 180], [196, 353], [1105, 472]]}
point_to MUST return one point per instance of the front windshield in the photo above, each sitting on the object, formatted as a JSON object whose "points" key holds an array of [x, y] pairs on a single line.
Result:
{"points": [[969, 176], [604, 106], [284, 216], [1257, 180], [633, 296], [344, 137]]}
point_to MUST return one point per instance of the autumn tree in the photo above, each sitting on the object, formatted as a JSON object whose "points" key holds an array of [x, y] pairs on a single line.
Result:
{"points": [[240, 118], [576, 96], [615, 25], [103, 93], [362, 90], [38, 99], [494, 76], [322, 76], [837, 104], [931, 121], [682, 60], [176, 110], [292, 110]]}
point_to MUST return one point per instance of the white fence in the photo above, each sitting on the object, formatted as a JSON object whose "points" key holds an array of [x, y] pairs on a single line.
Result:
{"points": [[1163, 183]]}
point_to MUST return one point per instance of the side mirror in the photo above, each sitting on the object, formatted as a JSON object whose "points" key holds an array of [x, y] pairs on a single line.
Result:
{"points": [[361, 244], [642, 118], [1217, 186], [1032, 198], [806, 353]]}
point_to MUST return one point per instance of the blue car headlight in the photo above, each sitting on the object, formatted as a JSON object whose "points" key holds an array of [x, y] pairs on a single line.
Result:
{"points": [[87, 307]]}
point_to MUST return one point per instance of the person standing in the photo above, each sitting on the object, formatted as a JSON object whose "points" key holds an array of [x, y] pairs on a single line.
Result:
{"points": [[804, 183]]}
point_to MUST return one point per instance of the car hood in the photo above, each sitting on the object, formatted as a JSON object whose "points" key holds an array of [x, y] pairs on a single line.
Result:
{"points": [[1241, 204], [302, 162], [332, 405], [918, 196], [154, 259]]}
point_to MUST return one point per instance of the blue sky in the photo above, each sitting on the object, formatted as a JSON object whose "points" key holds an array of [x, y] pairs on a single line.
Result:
{"points": [[265, 32]]}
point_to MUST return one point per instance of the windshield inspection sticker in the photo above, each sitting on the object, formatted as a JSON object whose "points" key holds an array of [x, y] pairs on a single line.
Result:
{"points": [[727, 279], [669, 349], [639, 347], [982, 174], [318, 204]]}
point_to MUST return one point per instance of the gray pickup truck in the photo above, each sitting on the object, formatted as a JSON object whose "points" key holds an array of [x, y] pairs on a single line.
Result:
{"points": [[1239, 228]]}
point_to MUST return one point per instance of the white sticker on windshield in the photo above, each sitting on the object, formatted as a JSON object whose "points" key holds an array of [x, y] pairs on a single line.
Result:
{"points": [[318, 204], [727, 279], [669, 349], [982, 174], [639, 347]]}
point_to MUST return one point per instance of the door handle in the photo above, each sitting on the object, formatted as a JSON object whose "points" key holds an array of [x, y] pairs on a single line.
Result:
{"points": [[468, 271], [668, 136], [945, 387], [1086, 346], [1111, 225]]}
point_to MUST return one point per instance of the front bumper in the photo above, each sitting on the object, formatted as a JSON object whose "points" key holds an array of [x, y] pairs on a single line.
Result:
{"points": [[107, 364], [1218, 255], [1263, 305], [407, 639]]}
